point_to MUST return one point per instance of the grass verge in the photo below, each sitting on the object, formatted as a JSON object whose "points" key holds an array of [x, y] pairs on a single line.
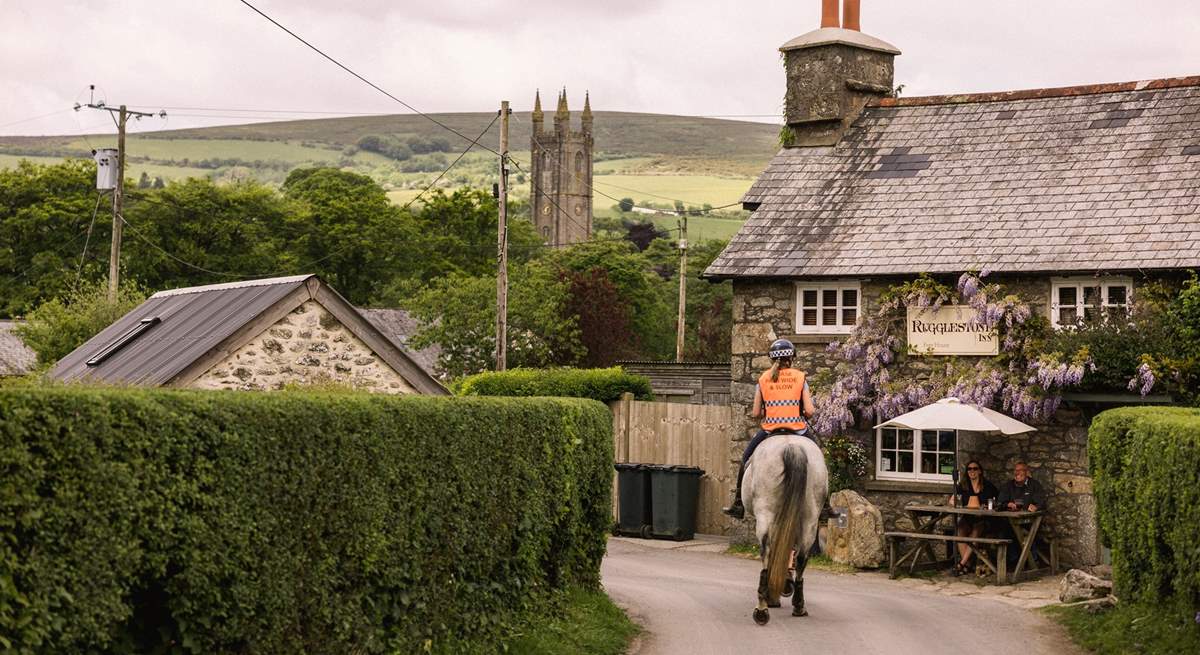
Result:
{"points": [[1131, 628], [579, 622]]}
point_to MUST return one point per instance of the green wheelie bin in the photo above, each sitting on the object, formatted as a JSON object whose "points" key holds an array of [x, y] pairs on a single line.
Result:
{"points": [[674, 498]]}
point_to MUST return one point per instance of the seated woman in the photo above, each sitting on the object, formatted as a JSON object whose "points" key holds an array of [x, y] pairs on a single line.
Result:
{"points": [[973, 491]]}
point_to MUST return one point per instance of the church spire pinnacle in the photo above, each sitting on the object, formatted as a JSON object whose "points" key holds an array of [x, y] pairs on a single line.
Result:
{"points": [[562, 114], [587, 112], [537, 116]]}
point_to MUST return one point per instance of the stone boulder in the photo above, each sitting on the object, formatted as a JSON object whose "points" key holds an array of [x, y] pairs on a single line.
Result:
{"points": [[860, 543], [1079, 585]]}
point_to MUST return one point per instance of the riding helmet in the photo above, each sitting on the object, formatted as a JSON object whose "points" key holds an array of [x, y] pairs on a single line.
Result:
{"points": [[781, 349]]}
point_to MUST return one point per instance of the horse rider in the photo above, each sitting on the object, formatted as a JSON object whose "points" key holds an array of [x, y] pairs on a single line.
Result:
{"points": [[783, 403]]}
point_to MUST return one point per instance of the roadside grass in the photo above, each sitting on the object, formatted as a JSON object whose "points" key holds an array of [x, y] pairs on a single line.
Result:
{"points": [[1132, 628], [579, 622], [820, 562]]}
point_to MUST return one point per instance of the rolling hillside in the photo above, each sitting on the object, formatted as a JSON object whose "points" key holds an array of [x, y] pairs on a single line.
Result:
{"points": [[652, 158]]}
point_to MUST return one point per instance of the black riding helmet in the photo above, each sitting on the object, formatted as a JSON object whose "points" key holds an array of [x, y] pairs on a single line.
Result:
{"points": [[781, 349]]}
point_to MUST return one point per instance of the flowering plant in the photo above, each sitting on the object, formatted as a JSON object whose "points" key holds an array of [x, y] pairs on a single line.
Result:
{"points": [[846, 460]]}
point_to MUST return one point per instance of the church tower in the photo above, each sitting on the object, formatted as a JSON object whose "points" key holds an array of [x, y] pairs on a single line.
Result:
{"points": [[562, 174]]}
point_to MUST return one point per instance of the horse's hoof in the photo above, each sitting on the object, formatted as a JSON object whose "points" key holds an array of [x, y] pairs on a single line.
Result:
{"points": [[774, 604], [799, 611], [788, 588], [761, 616]]}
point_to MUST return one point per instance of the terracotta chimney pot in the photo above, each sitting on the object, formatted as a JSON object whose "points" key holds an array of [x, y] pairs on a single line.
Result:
{"points": [[829, 13], [850, 15]]}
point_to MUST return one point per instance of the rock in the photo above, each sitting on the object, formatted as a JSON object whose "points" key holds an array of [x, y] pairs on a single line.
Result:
{"points": [[1095, 605], [1102, 571], [280, 333], [1079, 585], [272, 346], [860, 543], [242, 373]]}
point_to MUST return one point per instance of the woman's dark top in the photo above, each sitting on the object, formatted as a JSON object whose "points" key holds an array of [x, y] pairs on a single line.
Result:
{"points": [[986, 490]]}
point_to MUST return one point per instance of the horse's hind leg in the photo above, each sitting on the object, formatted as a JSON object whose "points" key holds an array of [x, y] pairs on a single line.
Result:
{"points": [[798, 590]]}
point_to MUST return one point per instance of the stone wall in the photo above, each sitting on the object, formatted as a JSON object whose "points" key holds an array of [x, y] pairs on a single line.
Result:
{"points": [[307, 346], [1057, 453]]}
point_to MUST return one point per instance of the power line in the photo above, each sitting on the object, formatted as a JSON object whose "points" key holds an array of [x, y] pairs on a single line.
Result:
{"points": [[91, 224], [456, 160], [181, 261], [34, 118], [361, 78]]}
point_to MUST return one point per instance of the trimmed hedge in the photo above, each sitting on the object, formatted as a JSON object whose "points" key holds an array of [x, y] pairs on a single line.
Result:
{"points": [[603, 384], [1145, 463], [296, 522]]}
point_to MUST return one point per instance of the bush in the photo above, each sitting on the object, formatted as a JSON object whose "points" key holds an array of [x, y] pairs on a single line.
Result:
{"points": [[846, 461], [218, 522], [61, 325], [603, 384], [1144, 461]]}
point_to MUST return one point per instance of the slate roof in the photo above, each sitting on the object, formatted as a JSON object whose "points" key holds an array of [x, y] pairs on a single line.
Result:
{"points": [[400, 326], [1081, 179], [15, 357], [199, 326]]}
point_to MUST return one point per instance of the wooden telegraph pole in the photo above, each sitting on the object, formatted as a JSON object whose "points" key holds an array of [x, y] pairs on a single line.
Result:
{"points": [[120, 117], [502, 246], [682, 287]]}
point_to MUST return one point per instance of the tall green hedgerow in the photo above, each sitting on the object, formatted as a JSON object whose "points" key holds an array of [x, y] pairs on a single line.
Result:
{"points": [[221, 522], [1144, 463], [603, 384]]}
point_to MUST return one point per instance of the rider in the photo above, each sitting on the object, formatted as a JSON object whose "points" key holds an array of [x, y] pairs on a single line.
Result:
{"points": [[783, 402]]}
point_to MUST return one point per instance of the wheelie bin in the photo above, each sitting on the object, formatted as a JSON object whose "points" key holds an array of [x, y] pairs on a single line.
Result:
{"points": [[674, 498], [633, 500]]}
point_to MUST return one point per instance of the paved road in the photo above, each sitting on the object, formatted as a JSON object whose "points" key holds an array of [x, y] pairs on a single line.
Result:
{"points": [[697, 603]]}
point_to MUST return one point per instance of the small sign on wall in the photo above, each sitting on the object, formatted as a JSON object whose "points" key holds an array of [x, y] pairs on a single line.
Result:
{"points": [[949, 330]]}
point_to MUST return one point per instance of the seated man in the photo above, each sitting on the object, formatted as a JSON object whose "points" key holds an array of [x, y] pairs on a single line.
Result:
{"points": [[1020, 493]]}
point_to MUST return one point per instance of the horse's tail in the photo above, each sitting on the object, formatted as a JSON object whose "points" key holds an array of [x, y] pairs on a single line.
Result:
{"points": [[786, 525]]}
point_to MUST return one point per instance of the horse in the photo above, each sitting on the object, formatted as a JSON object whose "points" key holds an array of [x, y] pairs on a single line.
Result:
{"points": [[786, 486]]}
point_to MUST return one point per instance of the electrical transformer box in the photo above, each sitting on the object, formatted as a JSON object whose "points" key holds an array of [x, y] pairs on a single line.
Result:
{"points": [[106, 168]]}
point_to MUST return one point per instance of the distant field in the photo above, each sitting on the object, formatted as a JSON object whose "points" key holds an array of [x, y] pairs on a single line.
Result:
{"points": [[134, 171], [691, 189]]}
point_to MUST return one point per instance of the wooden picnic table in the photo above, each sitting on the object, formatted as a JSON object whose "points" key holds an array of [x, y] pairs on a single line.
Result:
{"points": [[1025, 525]]}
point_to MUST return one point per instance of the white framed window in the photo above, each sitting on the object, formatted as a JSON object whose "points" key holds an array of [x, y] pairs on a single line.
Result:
{"points": [[831, 307], [1075, 300], [904, 454]]}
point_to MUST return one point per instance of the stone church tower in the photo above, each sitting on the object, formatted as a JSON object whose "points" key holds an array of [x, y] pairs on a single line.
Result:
{"points": [[561, 191]]}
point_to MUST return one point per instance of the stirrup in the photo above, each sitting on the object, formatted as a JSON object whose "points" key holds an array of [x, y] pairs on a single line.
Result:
{"points": [[736, 510]]}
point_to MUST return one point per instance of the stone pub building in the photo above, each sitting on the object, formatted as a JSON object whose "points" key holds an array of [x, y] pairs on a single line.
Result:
{"points": [[1073, 196]]}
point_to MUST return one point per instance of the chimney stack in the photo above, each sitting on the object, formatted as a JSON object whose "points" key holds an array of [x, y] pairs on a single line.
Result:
{"points": [[832, 72]]}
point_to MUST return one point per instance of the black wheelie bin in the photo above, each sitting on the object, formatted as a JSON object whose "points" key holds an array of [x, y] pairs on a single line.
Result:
{"points": [[633, 500], [674, 498]]}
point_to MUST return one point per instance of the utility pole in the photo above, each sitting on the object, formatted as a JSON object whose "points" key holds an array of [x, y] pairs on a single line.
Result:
{"points": [[120, 117], [682, 287], [502, 246]]}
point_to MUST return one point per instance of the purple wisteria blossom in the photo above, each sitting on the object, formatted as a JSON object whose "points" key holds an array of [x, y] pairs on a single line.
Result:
{"points": [[1144, 378]]}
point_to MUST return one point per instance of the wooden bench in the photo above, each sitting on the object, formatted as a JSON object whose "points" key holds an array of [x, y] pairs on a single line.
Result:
{"points": [[976, 544]]}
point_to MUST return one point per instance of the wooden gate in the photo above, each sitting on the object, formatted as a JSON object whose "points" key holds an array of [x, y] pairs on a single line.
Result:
{"points": [[677, 433]]}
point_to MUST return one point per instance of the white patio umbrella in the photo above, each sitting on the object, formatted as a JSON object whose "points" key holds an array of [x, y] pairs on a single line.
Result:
{"points": [[953, 414]]}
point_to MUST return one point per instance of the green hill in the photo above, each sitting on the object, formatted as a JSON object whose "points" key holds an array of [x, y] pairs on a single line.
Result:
{"points": [[654, 159]]}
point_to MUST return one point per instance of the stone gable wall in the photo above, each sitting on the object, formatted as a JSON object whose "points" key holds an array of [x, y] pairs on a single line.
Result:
{"points": [[307, 346], [1057, 453]]}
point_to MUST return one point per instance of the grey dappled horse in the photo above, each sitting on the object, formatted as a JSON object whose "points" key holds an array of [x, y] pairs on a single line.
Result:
{"points": [[785, 488]]}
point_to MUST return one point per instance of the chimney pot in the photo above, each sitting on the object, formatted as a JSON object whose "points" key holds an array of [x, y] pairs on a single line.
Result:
{"points": [[829, 13], [850, 16]]}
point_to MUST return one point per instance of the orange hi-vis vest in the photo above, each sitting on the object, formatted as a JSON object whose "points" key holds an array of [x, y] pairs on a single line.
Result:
{"points": [[783, 400]]}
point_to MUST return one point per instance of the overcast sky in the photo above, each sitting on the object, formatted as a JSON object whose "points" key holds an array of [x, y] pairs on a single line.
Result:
{"points": [[700, 57]]}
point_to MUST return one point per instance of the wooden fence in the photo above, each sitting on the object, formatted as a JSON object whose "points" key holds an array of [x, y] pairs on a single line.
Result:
{"points": [[678, 433]]}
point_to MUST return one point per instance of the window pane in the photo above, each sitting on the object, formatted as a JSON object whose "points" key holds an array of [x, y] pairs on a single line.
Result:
{"points": [[1091, 295], [928, 463], [946, 440], [906, 439], [928, 440], [809, 298], [829, 297], [810, 317], [946, 464], [829, 316], [1067, 316], [906, 462], [887, 461], [849, 316], [1116, 295], [1066, 296], [889, 439], [850, 297], [1090, 314]]}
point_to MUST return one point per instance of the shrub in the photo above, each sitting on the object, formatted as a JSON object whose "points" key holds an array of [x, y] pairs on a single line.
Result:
{"points": [[846, 461], [603, 384], [1144, 461], [61, 325], [218, 522]]}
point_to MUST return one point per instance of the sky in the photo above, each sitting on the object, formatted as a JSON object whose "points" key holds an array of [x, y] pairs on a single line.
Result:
{"points": [[202, 59]]}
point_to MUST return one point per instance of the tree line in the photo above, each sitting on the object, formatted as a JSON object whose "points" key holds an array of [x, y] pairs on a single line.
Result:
{"points": [[614, 297]]}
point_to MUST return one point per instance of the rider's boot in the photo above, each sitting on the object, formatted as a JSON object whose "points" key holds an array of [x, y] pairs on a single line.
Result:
{"points": [[737, 510]]}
